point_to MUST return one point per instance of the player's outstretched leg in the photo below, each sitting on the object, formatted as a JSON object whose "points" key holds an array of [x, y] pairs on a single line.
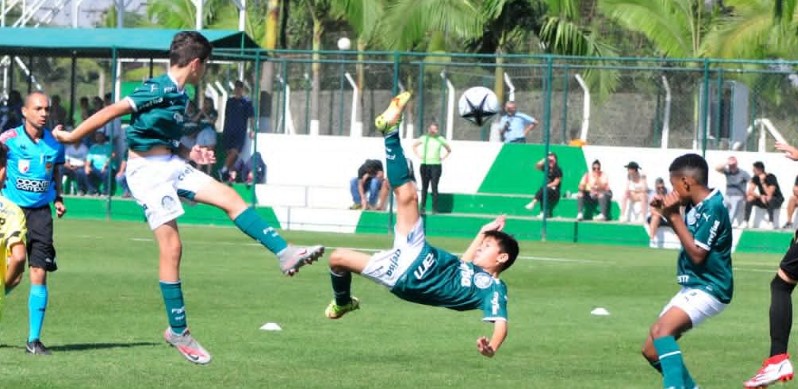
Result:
{"points": [[400, 175], [343, 263], [777, 368], [248, 220]]}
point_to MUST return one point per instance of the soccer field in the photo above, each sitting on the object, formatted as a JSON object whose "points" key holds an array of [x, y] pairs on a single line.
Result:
{"points": [[106, 317]]}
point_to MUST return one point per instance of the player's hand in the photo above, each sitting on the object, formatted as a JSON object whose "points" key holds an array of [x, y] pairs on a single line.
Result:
{"points": [[202, 155], [60, 208], [62, 135], [484, 347], [670, 203], [789, 151], [496, 225]]}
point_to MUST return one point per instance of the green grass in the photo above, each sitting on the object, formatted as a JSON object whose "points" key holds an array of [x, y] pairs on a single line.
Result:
{"points": [[106, 316]]}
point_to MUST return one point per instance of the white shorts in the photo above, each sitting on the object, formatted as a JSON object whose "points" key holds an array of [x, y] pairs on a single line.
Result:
{"points": [[698, 305], [159, 182], [385, 267]]}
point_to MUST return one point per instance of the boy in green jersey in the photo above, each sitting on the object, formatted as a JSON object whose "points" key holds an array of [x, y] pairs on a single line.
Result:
{"points": [[158, 174], [417, 272], [704, 266]]}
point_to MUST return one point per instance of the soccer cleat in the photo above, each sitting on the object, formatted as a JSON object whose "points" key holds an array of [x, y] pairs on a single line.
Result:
{"points": [[188, 346], [36, 348], [388, 119], [335, 311], [294, 257], [787, 226], [579, 216], [775, 369]]}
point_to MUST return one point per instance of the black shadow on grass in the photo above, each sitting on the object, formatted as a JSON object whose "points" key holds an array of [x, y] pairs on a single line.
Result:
{"points": [[99, 346]]}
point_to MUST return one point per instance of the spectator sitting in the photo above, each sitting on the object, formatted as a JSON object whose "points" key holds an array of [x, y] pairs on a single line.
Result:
{"points": [[552, 187], [791, 204], [636, 192], [58, 115], [763, 192], [207, 136], [121, 177], [98, 165], [370, 181], [594, 188], [736, 182], [655, 220], [75, 164], [12, 112]]}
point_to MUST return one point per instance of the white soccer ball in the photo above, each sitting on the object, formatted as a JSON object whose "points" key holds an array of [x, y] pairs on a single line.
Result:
{"points": [[478, 105]]}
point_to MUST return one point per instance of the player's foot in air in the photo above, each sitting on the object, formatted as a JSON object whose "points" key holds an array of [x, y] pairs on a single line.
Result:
{"points": [[294, 257], [188, 346], [36, 348], [777, 368], [335, 311], [391, 116]]}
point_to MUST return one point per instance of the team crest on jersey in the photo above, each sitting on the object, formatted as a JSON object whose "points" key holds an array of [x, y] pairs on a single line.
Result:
{"points": [[48, 166], [23, 165], [483, 280]]}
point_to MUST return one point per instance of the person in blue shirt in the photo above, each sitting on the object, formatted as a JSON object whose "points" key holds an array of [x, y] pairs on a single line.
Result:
{"points": [[516, 125], [35, 160], [98, 165]]}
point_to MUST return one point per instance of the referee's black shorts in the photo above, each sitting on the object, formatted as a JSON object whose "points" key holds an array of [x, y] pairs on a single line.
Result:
{"points": [[41, 252]]}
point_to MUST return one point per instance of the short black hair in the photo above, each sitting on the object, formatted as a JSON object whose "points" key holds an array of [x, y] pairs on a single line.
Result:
{"points": [[188, 46], [691, 165], [759, 165], [507, 245], [596, 162]]}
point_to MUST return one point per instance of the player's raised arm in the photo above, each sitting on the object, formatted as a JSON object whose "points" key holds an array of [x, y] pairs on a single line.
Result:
{"points": [[489, 348], [496, 225], [94, 122]]}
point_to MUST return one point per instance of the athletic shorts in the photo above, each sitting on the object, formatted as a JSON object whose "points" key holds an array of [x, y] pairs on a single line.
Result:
{"points": [[234, 140], [41, 252], [698, 305], [789, 263], [386, 267], [158, 183]]}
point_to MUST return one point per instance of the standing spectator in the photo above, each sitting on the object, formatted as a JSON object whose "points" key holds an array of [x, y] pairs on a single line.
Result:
{"points": [[594, 188], [763, 192], [237, 121], [655, 220], [13, 111], [75, 166], [515, 126], [736, 183], [98, 165], [431, 158], [636, 191], [370, 181], [58, 115], [552, 187], [791, 204], [34, 166]]}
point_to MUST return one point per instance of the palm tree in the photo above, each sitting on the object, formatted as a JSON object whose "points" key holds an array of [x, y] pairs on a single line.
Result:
{"points": [[756, 29]]}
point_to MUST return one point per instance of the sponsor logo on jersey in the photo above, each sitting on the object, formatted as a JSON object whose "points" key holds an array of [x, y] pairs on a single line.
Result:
{"points": [[31, 185], [713, 232], [178, 117], [466, 274], [683, 279], [483, 280], [23, 165], [394, 262], [426, 264], [494, 304]]}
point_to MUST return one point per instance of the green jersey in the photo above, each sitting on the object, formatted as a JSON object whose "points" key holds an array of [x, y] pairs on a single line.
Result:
{"points": [[431, 149], [440, 279], [709, 224], [159, 107]]}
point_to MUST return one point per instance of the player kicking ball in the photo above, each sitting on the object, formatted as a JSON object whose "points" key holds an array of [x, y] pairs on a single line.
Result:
{"points": [[159, 175], [704, 267], [417, 272]]}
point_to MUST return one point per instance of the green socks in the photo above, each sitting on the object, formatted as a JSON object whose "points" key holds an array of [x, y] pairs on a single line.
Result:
{"points": [[175, 309], [253, 225], [396, 164], [674, 373]]}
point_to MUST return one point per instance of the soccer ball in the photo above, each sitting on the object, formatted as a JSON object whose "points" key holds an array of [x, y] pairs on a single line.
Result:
{"points": [[478, 104]]}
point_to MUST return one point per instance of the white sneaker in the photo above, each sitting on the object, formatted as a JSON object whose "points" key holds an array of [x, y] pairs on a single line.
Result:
{"points": [[579, 216], [599, 218], [530, 206], [775, 369], [743, 225]]}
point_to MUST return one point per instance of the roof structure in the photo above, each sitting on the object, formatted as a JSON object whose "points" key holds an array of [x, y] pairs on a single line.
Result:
{"points": [[102, 42]]}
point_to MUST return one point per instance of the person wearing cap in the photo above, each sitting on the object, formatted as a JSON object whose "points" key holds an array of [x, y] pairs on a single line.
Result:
{"points": [[736, 181], [636, 191], [594, 188], [552, 187], [763, 192]]}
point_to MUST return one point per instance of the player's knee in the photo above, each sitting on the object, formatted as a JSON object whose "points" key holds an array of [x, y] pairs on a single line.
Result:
{"points": [[658, 331], [337, 258]]}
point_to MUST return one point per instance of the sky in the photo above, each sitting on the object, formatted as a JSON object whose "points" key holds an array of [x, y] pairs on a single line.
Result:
{"points": [[90, 11]]}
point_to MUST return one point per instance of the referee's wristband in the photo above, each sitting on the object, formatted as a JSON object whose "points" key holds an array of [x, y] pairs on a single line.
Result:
{"points": [[58, 198]]}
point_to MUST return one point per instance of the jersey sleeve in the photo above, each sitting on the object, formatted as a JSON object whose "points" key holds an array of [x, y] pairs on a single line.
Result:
{"points": [[145, 96], [13, 228], [707, 230], [527, 119], [495, 306]]}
